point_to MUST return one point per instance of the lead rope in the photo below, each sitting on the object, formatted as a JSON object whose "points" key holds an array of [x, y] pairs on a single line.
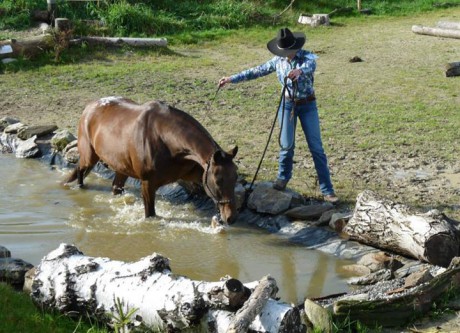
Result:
{"points": [[283, 101]]}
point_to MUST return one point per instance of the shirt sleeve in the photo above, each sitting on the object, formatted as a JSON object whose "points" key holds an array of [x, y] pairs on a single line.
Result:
{"points": [[308, 65], [255, 72]]}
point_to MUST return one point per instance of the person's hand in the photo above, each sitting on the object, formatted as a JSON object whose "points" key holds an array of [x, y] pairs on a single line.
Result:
{"points": [[223, 81], [294, 74]]}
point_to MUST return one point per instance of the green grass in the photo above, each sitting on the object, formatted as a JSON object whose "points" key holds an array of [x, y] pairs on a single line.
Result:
{"points": [[19, 315], [396, 109]]}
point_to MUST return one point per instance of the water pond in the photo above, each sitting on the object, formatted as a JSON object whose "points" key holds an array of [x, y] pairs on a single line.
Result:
{"points": [[37, 214]]}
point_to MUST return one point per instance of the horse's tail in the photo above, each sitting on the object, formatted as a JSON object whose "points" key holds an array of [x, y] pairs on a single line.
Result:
{"points": [[72, 177]]}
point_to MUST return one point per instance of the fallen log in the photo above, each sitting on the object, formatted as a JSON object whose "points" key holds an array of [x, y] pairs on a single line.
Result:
{"points": [[453, 69], [72, 283], [378, 222], [244, 316], [136, 42], [448, 25], [395, 309], [438, 32], [28, 47]]}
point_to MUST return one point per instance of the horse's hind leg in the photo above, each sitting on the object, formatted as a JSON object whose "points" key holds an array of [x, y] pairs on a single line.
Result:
{"points": [[148, 194], [88, 159], [118, 184]]}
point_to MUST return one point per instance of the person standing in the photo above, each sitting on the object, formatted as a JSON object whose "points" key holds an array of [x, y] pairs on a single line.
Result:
{"points": [[295, 69]]}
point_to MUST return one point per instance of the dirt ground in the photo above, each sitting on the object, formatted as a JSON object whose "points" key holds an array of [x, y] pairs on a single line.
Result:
{"points": [[429, 182]]}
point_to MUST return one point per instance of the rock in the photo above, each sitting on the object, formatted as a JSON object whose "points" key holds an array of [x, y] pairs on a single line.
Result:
{"points": [[410, 268], [325, 218], [308, 212], [62, 139], [265, 199], [318, 316], [7, 121], [240, 195], [4, 252], [39, 131], [28, 280], [356, 269], [12, 271], [14, 128], [339, 221], [372, 278], [380, 260], [72, 155], [28, 149], [417, 278]]}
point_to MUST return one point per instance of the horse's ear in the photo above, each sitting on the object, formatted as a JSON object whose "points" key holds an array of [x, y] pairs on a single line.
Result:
{"points": [[233, 152], [219, 156]]}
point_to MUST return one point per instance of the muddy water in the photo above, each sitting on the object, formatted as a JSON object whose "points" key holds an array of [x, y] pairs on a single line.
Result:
{"points": [[37, 214]]}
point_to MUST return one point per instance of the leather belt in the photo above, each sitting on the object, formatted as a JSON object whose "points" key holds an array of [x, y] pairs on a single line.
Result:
{"points": [[303, 101]]}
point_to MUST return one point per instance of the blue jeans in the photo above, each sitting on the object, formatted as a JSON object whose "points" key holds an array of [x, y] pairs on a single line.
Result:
{"points": [[309, 119]]}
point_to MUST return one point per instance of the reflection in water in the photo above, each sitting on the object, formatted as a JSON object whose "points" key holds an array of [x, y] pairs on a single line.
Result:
{"points": [[37, 214]]}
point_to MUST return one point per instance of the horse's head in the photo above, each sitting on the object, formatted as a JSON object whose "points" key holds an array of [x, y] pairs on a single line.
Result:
{"points": [[219, 180]]}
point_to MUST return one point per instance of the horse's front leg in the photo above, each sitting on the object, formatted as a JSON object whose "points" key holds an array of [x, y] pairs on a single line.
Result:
{"points": [[118, 184], [149, 189]]}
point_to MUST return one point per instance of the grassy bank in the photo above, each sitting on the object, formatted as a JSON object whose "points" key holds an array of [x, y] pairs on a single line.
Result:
{"points": [[394, 112], [18, 314], [168, 17]]}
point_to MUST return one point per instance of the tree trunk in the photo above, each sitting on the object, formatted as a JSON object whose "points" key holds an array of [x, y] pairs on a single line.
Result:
{"points": [[28, 47], [266, 289], [450, 33], [453, 69], [448, 25], [146, 292], [400, 307], [430, 237], [140, 42]]}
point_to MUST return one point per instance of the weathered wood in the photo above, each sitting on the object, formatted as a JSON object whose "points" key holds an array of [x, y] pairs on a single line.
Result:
{"points": [[70, 282], [139, 42], [244, 316], [379, 222], [453, 69], [438, 32], [28, 47], [397, 309], [448, 25]]}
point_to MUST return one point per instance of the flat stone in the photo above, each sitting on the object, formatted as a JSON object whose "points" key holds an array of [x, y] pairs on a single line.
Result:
{"points": [[265, 199], [308, 212], [318, 316], [28, 149], [39, 131]]}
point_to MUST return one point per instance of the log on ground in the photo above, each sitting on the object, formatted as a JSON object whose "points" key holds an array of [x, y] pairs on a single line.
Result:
{"points": [[396, 309], [28, 47], [430, 237], [113, 41], [438, 32], [70, 282], [448, 25]]}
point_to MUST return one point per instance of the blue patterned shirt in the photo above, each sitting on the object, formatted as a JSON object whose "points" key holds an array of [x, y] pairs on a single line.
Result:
{"points": [[305, 60]]}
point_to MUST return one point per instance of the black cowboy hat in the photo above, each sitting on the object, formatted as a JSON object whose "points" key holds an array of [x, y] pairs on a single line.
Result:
{"points": [[286, 42]]}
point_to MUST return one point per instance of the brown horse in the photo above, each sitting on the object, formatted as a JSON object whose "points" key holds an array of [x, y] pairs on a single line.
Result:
{"points": [[157, 144]]}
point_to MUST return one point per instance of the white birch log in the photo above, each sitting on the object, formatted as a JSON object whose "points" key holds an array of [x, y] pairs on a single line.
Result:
{"points": [[70, 282], [245, 315], [379, 222], [449, 33], [448, 25], [140, 42]]}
